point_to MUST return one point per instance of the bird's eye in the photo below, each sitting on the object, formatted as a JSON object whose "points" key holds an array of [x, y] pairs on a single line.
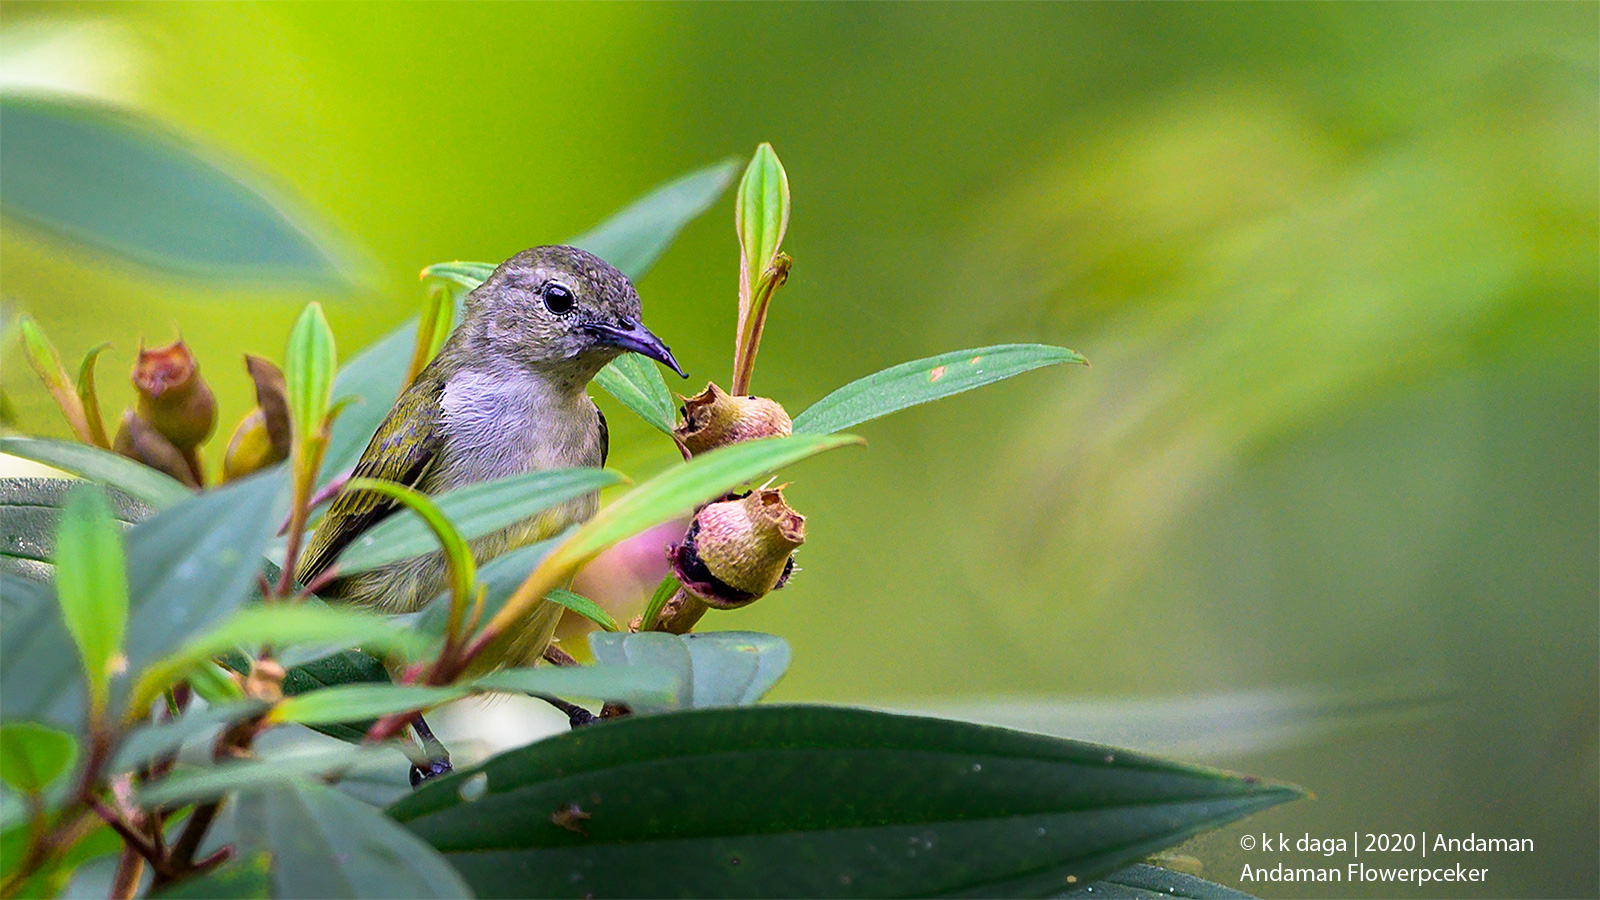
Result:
{"points": [[558, 299]]}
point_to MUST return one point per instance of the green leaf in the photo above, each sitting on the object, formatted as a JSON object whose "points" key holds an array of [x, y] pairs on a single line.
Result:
{"points": [[53, 877], [476, 510], [1140, 882], [325, 844], [344, 667], [761, 213], [636, 236], [92, 587], [355, 702], [643, 685], [147, 742], [816, 802], [102, 466], [920, 381], [186, 785], [32, 756], [281, 625], [29, 510], [249, 878], [585, 607], [498, 579], [308, 371], [90, 398], [637, 384], [463, 570], [119, 181], [717, 668], [466, 274]]}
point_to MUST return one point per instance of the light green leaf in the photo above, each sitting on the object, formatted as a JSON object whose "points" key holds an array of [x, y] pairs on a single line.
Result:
{"points": [[119, 181], [356, 702], [279, 625], [805, 801], [92, 586], [498, 579], [308, 371], [718, 668], [920, 381], [585, 607], [635, 237], [466, 274], [644, 685], [32, 756], [761, 215], [187, 785], [463, 570], [325, 844], [102, 466], [476, 510], [637, 384]]}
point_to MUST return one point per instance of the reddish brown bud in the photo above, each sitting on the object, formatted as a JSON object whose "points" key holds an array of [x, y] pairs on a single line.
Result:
{"points": [[737, 550], [714, 418], [273, 399], [173, 397], [139, 442]]}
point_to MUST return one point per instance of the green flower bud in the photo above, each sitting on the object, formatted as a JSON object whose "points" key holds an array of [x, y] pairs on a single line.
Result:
{"points": [[173, 398], [139, 442], [737, 550], [713, 418]]}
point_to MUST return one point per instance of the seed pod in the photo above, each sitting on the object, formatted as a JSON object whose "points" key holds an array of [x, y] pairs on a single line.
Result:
{"points": [[273, 400], [263, 436], [737, 550], [173, 397], [250, 448], [714, 418], [139, 442]]}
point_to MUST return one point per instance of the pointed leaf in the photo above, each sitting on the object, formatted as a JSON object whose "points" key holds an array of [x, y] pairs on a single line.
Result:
{"points": [[90, 399], [636, 236], [92, 587], [102, 466], [643, 685], [816, 802], [476, 510], [119, 181], [357, 702], [196, 785], [585, 607], [308, 371], [466, 274], [150, 741], [325, 844], [32, 756], [920, 381], [1146, 882], [637, 384]]}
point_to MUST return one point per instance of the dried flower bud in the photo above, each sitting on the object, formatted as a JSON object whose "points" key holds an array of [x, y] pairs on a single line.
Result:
{"points": [[263, 436], [265, 681], [737, 550], [273, 400], [173, 397], [139, 442], [250, 449], [713, 418]]}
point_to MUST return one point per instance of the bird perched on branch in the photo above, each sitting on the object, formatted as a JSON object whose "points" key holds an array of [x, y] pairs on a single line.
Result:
{"points": [[505, 395]]}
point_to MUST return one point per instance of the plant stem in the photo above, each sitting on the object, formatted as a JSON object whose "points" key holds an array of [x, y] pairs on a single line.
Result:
{"points": [[129, 870]]}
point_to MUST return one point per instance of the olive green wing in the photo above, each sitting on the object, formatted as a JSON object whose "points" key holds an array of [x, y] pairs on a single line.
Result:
{"points": [[403, 450]]}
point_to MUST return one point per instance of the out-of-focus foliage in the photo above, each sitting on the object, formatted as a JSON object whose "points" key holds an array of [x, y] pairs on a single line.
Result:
{"points": [[1334, 265]]}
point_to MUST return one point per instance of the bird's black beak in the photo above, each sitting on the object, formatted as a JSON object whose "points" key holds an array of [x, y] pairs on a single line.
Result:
{"points": [[631, 335]]}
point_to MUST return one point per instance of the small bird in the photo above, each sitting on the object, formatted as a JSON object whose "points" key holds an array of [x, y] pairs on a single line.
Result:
{"points": [[505, 395]]}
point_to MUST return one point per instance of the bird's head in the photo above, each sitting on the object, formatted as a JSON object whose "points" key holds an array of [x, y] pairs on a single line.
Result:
{"points": [[564, 308]]}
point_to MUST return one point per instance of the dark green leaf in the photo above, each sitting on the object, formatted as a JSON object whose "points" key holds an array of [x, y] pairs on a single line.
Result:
{"points": [[30, 508], [102, 466], [32, 756], [325, 844], [92, 588], [118, 181], [475, 510], [249, 878], [1146, 882], [40, 678], [817, 802], [344, 667], [149, 741], [356, 702], [636, 383], [920, 381]]}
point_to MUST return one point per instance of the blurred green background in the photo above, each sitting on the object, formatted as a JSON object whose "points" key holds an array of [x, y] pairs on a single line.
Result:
{"points": [[1323, 509]]}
